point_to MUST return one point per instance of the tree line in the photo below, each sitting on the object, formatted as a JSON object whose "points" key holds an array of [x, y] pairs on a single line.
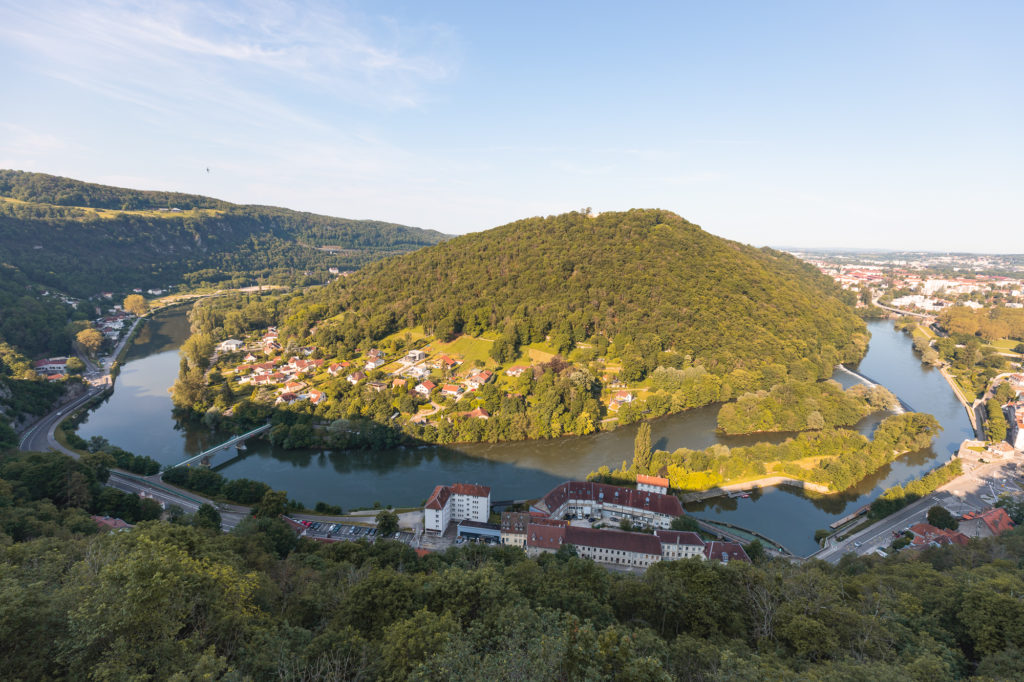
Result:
{"points": [[840, 457]]}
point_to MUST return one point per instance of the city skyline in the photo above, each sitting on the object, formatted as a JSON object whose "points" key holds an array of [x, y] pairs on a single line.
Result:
{"points": [[888, 126]]}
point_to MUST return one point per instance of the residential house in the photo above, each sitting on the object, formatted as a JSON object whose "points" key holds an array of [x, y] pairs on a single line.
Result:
{"points": [[374, 363], [986, 524], [653, 484], [620, 398], [927, 535], [316, 397], [356, 377], [110, 523], [377, 386], [294, 386], [516, 370], [425, 388], [51, 365], [230, 345], [415, 356], [479, 378], [444, 362], [478, 413], [417, 372], [451, 390]]}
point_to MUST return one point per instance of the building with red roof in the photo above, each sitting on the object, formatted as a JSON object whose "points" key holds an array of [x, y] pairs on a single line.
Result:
{"points": [[725, 552], [677, 544], [110, 523], [587, 498], [927, 535], [987, 524], [514, 525], [653, 484], [457, 502]]}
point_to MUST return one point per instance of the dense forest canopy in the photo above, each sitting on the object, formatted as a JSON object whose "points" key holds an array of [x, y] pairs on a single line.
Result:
{"points": [[646, 280], [80, 238], [179, 600]]}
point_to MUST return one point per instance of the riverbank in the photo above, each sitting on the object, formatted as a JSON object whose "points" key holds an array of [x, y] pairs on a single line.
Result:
{"points": [[963, 401], [748, 486]]}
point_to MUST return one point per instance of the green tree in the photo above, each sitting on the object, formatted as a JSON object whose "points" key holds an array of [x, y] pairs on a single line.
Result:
{"points": [[273, 505], [207, 516], [387, 522], [642, 448], [940, 517]]}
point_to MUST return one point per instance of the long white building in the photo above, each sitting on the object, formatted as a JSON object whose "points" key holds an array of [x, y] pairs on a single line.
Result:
{"points": [[457, 502]]}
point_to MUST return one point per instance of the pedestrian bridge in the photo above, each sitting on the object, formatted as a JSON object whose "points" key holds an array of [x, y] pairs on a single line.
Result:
{"points": [[206, 458]]}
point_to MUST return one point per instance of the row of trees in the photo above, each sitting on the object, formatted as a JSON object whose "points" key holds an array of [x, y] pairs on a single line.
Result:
{"points": [[990, 324], [837, 458]]}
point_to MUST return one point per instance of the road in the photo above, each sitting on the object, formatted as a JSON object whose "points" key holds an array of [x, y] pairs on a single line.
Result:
{"points": [[40, 437], [974, 490]]}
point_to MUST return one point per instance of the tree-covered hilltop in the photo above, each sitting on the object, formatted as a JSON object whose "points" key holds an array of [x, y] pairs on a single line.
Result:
{"points": [[654, 316], [178, 600], [657, 287], [82, 238]]}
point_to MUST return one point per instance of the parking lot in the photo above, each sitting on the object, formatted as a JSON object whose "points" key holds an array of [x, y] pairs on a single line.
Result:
{"points": [[338, 532]]}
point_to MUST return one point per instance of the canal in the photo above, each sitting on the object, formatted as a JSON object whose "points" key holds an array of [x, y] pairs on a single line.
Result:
{"points": [[137, 417]]}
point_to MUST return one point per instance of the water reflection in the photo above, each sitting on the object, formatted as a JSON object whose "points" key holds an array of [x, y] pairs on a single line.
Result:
{"points": [[138, 417]]}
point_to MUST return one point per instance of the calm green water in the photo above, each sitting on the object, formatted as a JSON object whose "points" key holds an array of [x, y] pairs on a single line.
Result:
{"points": [[138, 417]]}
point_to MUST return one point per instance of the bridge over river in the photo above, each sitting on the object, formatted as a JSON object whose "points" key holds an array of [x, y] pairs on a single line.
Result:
{"points": [[206, 457]]}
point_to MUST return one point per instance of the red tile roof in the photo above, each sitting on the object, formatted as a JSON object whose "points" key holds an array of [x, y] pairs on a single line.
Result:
{"points": [[545, 537], [925, 534], [439, 497], [602, 492], [725, 551], [613, 539], [471, 489], [997, 520], [652, 480]]}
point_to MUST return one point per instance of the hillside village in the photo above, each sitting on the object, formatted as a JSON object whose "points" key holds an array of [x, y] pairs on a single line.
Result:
{"points": [[427, 385]]}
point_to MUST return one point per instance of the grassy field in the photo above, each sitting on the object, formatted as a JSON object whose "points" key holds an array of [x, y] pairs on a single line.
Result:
{"points": [[924, 333], [107, 213], [466, 349], [417, 334]]}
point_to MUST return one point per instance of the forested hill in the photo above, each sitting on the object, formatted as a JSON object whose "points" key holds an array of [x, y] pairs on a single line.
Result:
{"points": [[82, 238], [661, 290]]}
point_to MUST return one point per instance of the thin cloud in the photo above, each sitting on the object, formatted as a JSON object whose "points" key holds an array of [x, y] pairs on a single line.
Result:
{"points": [[160, 44]]}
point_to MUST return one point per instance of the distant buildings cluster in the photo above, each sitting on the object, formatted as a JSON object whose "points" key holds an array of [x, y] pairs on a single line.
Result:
{"points": [[547, 526]]}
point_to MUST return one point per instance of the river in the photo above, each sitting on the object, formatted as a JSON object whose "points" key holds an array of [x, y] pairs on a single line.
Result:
{"points": [[138, 417]]}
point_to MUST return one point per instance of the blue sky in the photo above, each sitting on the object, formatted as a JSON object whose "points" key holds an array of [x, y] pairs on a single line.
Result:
{"points": [[874, 124]]}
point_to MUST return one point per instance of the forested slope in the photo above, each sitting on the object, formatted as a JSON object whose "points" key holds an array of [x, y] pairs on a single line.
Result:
{"points": [[647, 280], [80, 237]]}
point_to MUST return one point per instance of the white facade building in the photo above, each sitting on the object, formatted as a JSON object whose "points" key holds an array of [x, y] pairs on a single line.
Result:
{"points": [[457, 502]]}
